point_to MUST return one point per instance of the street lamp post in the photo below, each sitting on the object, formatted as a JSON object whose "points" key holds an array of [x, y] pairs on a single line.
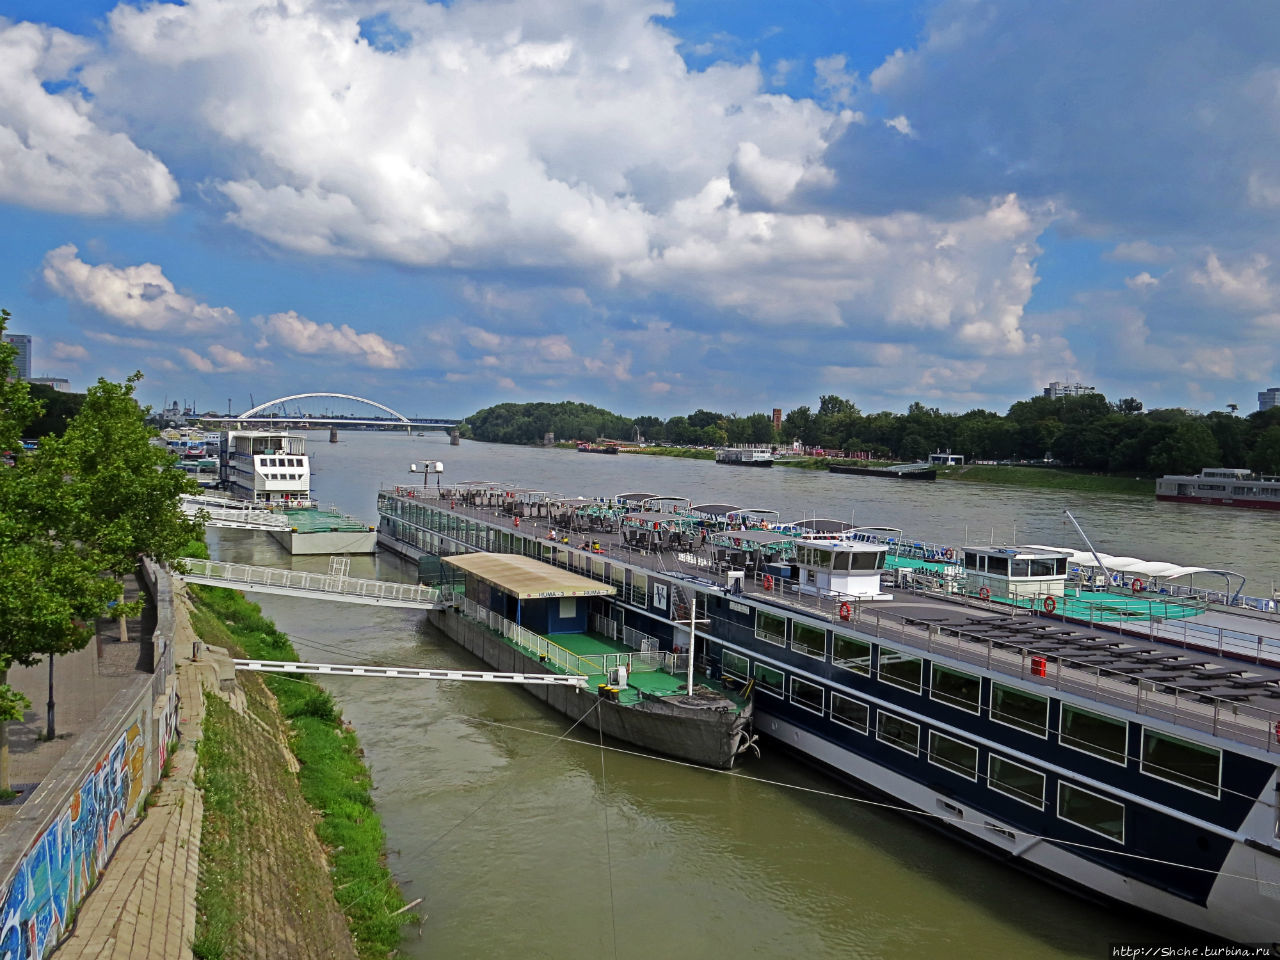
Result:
{"points": [[428, 467]]}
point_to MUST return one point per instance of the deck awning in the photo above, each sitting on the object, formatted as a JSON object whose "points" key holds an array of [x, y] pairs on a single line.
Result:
{"points": [[526, 578], [1142, 568]]}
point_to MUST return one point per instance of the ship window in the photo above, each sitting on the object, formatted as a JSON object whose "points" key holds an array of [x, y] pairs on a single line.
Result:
{"points": [[842, 560], [953, 755], [1093, 733], [1060, 567], [970, 560], [900, 670], [998, 565], [1015, 780], [808, 695], [851, 654], [639, 589], [869, 560], [1019, 568], [770, 628], [1091, 811], [851, 713], [1019, 709], [956, 688], [1042, 568], [897, 732], [1182, 762], [811, 641], [768, 679], [734, 665]]}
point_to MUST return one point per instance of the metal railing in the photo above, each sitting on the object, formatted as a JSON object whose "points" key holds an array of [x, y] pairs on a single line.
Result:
{"points": [[246, 577]]}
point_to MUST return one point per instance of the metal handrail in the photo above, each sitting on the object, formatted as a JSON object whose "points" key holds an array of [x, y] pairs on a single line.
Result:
{"points": [[246, 576]]}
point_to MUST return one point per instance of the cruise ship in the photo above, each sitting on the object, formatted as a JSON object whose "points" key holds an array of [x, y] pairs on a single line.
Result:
{"points": [[1222, 486], [1090, 726]]}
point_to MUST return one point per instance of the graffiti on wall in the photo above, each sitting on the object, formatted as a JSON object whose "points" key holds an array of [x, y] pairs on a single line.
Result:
{"points": [[66, 859]]}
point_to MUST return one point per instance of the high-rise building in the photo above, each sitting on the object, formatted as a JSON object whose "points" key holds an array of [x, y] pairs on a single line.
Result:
{"points": [[1055, 390], [777, 418], [21, 362], [1269, 398]]}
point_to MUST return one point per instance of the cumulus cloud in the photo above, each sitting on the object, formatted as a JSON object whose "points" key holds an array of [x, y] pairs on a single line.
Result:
{"points": [[53, 154], [299, 335], [221, 359], [68, 351], [138, 296]]}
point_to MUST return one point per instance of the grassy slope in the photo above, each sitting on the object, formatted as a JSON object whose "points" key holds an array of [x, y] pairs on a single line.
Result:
{"points": [[1047, 478], [333, 778]]}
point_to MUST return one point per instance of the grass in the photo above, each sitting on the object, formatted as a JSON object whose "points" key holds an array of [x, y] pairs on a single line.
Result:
{"points": [[222, 865], [1048, 478], [332, 778], [686, 453]]}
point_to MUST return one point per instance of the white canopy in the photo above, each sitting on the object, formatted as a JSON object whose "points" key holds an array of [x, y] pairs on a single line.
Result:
{"points": [[1141, 568]]}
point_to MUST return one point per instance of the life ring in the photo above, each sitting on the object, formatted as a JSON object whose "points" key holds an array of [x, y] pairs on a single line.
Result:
{"points": [[1137, 586], [1050, 604], [844, 611], [984, 593], [950, 554], [517, 521], [767, 582]]}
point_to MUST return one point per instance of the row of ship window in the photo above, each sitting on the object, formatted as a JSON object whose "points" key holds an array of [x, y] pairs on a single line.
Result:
{"points": [[1163, 756], [1166, 757], [280, 461]]}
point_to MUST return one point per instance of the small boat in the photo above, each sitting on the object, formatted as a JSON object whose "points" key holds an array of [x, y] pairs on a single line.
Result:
{"points": [[746, 455]]}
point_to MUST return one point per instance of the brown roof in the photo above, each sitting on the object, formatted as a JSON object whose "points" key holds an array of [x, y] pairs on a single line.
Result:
{"points": [[526, 578]]}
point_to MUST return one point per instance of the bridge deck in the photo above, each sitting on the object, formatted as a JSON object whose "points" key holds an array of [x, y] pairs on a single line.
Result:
{"points": [[316, 586]]}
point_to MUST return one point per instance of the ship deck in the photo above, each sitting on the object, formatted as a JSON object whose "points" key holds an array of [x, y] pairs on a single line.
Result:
{"points": [[324, 521], [1207, 670]]}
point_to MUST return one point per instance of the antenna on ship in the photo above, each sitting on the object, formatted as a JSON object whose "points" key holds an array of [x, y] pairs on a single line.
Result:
{"points": [[693, 620]]}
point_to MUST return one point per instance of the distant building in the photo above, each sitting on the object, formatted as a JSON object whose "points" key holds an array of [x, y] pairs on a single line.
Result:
{"points": [[61, 384], [1055, 390], [777, 418], [22, 362], [1269, 398]]}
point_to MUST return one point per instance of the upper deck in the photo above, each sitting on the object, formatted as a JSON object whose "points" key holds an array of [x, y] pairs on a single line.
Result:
{"points": [[1156, 655]]}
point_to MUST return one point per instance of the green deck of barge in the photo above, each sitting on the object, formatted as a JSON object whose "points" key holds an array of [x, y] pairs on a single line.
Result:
{"points": [[1100, 606], [324, 521]]}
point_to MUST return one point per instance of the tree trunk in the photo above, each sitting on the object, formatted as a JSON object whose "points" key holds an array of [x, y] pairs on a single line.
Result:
{"points": [[4, 742]]}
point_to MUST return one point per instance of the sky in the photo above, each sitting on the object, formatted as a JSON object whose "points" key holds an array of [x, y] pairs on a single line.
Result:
{"points": [[648, 206]]}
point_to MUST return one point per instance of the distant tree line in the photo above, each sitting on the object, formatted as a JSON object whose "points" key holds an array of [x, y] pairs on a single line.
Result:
{"points": [[1085, 432]]}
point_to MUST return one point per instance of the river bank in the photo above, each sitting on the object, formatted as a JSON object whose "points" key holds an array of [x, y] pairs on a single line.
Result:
{"points": [[292, 854], [1032, 478]]}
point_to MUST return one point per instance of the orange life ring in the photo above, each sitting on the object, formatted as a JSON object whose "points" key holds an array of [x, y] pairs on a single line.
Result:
{"points": [[844, 611], [984, 593], [1137, 586], [950, 554], [1050, 604], [517, 521], [767, 582]]}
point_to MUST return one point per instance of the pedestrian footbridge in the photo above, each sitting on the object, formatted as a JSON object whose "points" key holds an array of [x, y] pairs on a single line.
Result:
{"points": [[334, 585], [409, 673]]}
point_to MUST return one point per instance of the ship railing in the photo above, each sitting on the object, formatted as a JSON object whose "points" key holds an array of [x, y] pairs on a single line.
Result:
{"points": [[534, 644], [1242, 722]]}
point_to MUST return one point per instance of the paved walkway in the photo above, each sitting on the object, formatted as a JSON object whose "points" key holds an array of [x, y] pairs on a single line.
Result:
{"points": [[144, 906]]}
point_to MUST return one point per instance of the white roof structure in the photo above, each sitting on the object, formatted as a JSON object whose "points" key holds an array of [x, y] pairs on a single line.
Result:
{"points": [[1143, 568]]}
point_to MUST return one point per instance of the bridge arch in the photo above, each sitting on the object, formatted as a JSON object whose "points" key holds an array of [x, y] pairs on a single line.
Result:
{"points": [[336, 396]]}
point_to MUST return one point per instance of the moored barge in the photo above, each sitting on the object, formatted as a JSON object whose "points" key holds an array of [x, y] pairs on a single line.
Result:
{"points": [[1114, 763]]}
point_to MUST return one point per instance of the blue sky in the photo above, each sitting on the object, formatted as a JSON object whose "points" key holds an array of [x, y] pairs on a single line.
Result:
{"points": [[649, 206]]}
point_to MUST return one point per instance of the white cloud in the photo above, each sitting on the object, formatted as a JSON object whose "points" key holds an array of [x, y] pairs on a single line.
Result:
{"points": [[68, 351], [833, 81], [1140, 251], [139, 296], [1247, 285], [299, 335], [53, 155], [902, 125], [221, 359], [1141, 281]]}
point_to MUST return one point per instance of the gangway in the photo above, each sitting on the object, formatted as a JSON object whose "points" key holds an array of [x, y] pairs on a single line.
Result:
{"points": [[409, 673], [237, 519], [334, 585]]}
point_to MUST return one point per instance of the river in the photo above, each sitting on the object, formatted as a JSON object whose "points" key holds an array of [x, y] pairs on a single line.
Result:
{"points": [[523, 844]]}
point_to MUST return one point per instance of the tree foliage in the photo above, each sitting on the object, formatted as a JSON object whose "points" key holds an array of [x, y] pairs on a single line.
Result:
{"points": [[1084, 432], [75, 515]]}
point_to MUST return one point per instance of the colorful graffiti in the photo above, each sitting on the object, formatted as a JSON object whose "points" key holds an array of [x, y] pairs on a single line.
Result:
{"points": [[66, 859]]}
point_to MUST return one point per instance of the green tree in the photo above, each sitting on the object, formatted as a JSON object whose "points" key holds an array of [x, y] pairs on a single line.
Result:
{"points": [[1190, 448], [1266, 453]]}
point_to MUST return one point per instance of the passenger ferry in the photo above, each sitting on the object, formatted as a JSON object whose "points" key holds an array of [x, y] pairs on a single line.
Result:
{"points": [[746, 455], [1004, 694], [270, 469], [1222, 486]]}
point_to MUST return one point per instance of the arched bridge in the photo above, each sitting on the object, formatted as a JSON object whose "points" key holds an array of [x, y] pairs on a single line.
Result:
{"points": [[266, 413]]}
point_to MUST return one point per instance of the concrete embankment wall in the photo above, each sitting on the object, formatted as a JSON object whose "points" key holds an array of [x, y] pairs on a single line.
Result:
{"points": [[53, 852]]}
